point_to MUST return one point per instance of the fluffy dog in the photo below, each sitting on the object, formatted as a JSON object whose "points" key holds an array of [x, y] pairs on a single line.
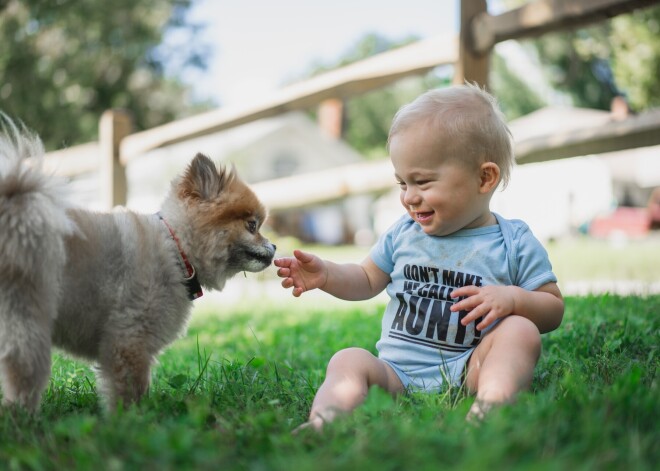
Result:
{"points": [[113, 288]]}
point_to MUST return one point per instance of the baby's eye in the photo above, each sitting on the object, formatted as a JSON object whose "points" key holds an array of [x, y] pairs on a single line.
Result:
{"points": [[401, 184]]}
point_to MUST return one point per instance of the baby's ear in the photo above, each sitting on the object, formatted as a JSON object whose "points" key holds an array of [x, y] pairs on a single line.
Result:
{"points": [[489, 175]]}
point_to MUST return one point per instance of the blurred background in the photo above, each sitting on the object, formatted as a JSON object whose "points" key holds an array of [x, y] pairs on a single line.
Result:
{"points": [[299, 96]]}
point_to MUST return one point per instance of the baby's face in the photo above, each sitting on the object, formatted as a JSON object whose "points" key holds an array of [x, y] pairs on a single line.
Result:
{"points": [[442, 195]]}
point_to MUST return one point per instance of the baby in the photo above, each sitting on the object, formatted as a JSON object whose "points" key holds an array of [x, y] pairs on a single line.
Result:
{"points": [[470, 292]]}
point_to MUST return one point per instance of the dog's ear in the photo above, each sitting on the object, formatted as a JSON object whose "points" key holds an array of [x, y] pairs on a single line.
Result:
{"points": [[203, 180]]}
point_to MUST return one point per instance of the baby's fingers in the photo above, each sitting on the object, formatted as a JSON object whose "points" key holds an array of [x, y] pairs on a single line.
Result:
{"points": [[289, 283], [464, 291], [282, 262], [486, 321], [474, 314], [284, 272], [303, 257], [466, 304]]}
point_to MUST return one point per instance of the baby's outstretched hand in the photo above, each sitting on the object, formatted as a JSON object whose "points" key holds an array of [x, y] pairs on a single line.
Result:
{"points": [[302, 272], [489, 302]]}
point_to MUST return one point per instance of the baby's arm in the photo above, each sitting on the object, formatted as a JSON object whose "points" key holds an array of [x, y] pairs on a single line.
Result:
{"points": [[350, 281], [543, 306]]}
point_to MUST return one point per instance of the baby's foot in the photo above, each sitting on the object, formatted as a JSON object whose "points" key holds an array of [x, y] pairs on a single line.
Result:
{"points": [[478, 411], [315, 424]]}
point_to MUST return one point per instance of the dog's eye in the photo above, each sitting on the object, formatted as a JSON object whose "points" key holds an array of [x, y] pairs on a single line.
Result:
{"points": [[252, 226]]}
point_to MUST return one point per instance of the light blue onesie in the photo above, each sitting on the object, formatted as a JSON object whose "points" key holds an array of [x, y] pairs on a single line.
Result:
{"points": [[421, 339]]}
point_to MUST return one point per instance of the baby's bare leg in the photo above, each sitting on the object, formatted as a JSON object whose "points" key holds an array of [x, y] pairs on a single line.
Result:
{"points": [[350, 374], [503, 363]]}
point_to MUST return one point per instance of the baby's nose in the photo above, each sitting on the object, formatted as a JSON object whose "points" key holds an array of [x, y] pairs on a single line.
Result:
{"points": [[411, 197]]}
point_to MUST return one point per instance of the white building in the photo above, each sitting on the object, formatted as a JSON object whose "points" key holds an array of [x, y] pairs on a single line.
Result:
{"points": [[263, 150], [557, 197]]}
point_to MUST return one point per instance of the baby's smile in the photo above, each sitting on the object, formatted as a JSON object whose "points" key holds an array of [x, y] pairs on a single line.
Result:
{"points": [[423, 217]]}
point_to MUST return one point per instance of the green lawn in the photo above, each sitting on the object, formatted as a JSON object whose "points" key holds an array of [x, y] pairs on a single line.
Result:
{"points": [[591, 259], [228, 394]]}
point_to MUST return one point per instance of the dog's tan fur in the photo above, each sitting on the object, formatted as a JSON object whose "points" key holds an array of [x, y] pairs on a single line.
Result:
{"points": [[108, 287]]}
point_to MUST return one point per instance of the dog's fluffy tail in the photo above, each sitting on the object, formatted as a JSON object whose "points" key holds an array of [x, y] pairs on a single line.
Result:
{"points": [[33, 225], [33, 217]]}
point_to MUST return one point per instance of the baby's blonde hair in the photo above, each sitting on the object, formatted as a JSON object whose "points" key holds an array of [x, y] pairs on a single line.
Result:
{"points": [[469, 122]]}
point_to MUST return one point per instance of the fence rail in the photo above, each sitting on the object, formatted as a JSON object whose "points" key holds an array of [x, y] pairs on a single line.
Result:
{"points": [[351, 80], [538, 18], [117, 146]]}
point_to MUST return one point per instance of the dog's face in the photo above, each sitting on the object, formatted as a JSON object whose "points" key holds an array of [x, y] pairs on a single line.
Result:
{"points": [[226, 217]]}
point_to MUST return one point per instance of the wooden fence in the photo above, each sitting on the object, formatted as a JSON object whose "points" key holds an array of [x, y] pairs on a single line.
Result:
{"points": [[469, 52]]}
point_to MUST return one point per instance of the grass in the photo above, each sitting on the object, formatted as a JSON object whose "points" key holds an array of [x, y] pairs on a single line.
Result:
{"points": [[228, 394], [584, 258]]}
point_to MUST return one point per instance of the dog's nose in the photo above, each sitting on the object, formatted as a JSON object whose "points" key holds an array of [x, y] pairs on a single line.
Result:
{"points": [[274, 246]]}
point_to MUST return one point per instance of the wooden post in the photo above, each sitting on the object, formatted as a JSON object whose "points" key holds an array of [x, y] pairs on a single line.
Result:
{"points": [[113, 127], [471, 66], [331, 117]]}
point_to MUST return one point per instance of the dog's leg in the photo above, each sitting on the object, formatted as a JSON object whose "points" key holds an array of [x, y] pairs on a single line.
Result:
{"points": [[26, 312], [25, 370], [124, 374]]}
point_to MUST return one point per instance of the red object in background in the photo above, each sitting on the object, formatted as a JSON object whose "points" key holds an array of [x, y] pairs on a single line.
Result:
{"points": [[654, 208], [631, 222]]}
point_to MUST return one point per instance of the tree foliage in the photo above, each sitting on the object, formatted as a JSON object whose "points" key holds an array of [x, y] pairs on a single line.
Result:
{"points": [[576, 63], [592, 65], [64, 62], [515, 97], [636, 56], [368, 116]]}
